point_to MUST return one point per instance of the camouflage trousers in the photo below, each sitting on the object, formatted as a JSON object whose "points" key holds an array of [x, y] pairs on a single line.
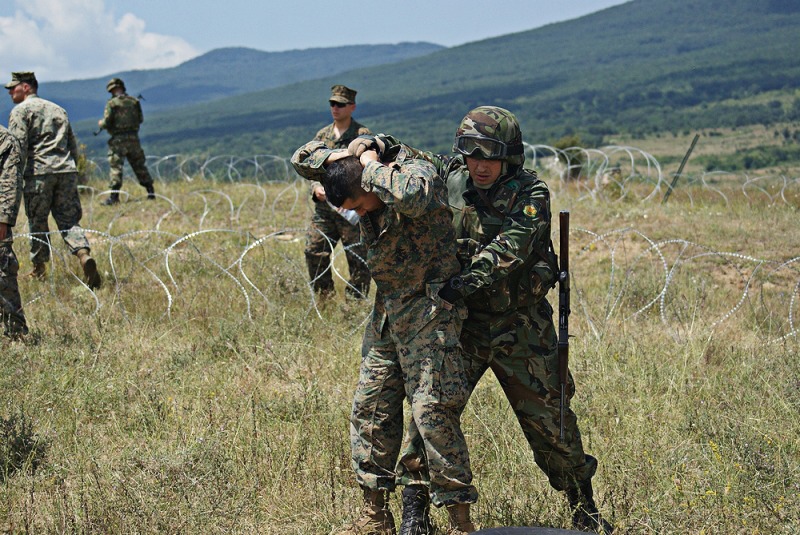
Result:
{"points": [[428, 373], [56, 194], [14, 323], [520, 347], [127, 146], [326, 229]]}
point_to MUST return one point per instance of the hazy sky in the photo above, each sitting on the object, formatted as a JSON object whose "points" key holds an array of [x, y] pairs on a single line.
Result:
{"points": [[73, 39]]}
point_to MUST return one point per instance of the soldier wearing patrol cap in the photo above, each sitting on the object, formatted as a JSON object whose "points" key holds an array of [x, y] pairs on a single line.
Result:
{"points": [[48, 152], [327, 225], [122, 117]]}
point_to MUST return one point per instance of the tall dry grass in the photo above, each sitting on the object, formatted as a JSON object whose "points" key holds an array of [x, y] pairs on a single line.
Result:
{"points": [[203, 390]]}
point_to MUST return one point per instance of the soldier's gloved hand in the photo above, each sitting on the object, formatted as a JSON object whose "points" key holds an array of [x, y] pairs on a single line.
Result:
{"points": [[449, 292], [3, 231], [364, 143]]}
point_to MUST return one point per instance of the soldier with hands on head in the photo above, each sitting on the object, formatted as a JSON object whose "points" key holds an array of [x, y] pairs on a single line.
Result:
{"points": [[502, 223], [328, 226], [48, 153], [14, 324], [410, 349], [122, 117]]}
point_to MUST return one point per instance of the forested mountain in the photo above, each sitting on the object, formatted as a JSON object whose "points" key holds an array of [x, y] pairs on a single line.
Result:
{"points": [[224, 72], [643, 66]]}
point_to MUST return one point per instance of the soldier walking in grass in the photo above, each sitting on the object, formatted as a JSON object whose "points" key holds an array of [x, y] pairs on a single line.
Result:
{"points": [[48, 152], [14, 324], [328, 226], [502, 223], [410, 349], [122, 117]]}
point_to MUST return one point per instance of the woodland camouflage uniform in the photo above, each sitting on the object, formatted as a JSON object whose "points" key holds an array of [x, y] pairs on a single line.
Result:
{"points": [[122, 118], [328, 227], [410, 348], [50, 178], [13, 317]]}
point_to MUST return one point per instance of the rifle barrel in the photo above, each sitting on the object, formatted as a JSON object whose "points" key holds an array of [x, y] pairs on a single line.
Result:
{"points": [[563, 315]]}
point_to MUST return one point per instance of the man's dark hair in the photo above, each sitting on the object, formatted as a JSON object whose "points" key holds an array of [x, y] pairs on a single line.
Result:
{"points": [[343, 180]]}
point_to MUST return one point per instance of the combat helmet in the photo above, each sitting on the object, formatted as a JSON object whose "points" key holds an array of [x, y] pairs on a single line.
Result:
{"points": [[115, 82], [492, 133]]}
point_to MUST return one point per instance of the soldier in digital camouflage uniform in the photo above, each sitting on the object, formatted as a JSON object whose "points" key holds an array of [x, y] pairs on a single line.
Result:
{"points": [[327, 225], [410, 348], [14, 324], [502, 222], [122, 117], [48, 152]]}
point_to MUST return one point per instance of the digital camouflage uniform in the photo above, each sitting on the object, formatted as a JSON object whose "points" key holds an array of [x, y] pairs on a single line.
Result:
{"points": [[14, 323], [122, 117], [50, 178], [328, 227], [410, 347]]}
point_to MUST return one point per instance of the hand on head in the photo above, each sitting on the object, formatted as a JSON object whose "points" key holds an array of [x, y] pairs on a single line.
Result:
{"points": [[364, 143]]}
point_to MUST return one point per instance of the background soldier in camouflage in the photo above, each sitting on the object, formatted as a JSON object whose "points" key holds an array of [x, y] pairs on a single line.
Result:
{"points": [[14, 324], [328, 226], [48, 150], [122, 117], [502, 221], [410, 348]]}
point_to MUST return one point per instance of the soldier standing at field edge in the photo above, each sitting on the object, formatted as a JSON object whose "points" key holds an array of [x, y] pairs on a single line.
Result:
{"points": [[122, 117], [48, 152], [327, 225]]}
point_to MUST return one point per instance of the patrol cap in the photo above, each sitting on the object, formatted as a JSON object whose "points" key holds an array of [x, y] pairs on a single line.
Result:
{"points": [[343, 94], [114, 82], [21, 78]]}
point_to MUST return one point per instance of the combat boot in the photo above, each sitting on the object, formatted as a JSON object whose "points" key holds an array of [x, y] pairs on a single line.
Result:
{"points": [[38, 272], [585, 516], [460, 524], [112, 200], [376, 518], [91, 276], [151, 192], [416, 511]]}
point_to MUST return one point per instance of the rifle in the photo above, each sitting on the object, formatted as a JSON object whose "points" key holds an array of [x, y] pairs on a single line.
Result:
{"points": [[563, 315]]}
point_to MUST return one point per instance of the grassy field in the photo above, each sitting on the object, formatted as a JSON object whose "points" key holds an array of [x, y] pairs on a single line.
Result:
{"points": [[204, 390]]}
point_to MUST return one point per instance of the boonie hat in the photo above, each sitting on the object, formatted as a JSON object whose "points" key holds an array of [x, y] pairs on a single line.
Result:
{"points": [[21, 78], [343, 94]]}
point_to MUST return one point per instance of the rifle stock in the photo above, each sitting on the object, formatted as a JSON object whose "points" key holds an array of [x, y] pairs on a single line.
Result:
{"points": [[563, 314]]}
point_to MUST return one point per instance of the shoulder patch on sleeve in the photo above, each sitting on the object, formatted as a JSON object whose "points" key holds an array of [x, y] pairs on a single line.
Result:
{"points": [[531, 211]]}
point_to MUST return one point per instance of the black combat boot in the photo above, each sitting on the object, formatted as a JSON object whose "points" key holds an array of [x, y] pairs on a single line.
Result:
{"points": [[112, 200], [416, 511], [151, 192], [585, 516]]}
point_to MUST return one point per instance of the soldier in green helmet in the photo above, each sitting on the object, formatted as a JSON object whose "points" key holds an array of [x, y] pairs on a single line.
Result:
{"points": [[501, 214], [122, 117]]}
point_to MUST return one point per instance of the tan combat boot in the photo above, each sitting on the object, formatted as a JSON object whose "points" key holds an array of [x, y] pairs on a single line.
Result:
{"points": [[460, 524], [91, 276], [376, 518], [39, 272]]}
